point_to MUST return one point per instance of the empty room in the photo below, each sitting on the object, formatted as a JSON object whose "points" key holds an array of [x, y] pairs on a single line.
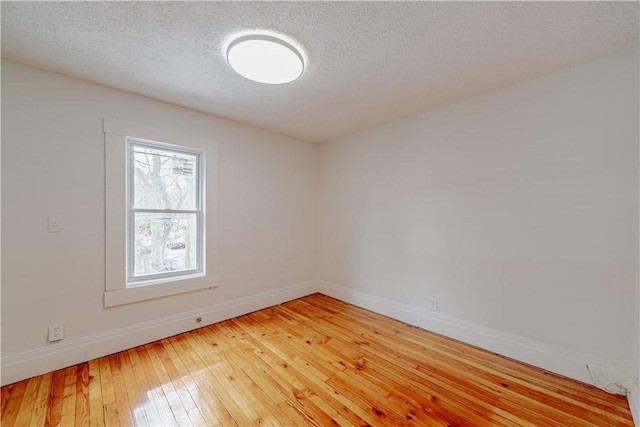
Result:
{"points": [[320, 213]]}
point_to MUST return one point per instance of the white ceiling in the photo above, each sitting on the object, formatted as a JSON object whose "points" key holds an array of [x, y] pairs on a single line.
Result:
{"points": [[368, 62]]}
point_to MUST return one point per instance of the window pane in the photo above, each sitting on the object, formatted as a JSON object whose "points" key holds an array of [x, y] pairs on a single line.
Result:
{"points": [[164, 243], [164, 179]]}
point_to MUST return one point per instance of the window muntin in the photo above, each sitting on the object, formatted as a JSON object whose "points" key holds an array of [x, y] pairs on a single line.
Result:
{"points": [[165, 218]]}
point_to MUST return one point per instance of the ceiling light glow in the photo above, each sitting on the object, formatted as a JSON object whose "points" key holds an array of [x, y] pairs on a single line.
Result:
{"points": [[265, 59]]}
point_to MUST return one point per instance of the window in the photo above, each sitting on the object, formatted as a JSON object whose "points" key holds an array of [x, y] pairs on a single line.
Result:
{"points": [[165, 216], [161, 200]]}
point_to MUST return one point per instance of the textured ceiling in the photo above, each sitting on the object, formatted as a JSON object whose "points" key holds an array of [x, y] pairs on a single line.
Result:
{"points": [[368, 62]]}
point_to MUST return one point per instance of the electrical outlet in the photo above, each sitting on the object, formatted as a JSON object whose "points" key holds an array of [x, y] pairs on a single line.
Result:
{"points": [[56, 332], [433, 304], [54, 225]]}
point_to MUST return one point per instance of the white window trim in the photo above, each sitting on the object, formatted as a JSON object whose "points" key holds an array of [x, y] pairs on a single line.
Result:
{"points": [[116, 290]]}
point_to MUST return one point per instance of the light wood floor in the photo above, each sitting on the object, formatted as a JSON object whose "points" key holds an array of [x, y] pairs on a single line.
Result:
{"points": [[312, 361]]}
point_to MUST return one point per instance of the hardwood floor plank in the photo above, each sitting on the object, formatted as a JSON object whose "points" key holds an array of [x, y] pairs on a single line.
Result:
{"points": [[106, 381], [282, 400], [42, 401], [68, 415], [54, 409], [270, 404], [200, 413], [120, 390], [14, 400], [111, 414], [155, 392], [318, 398], [175, 403], [28, 401], [313, 361], [196, 418], [361, 392], [200, 390], [95, 396], [149, 400], [4, 396], [109, 406], [227, 385], [230, 400], [82, 396]]}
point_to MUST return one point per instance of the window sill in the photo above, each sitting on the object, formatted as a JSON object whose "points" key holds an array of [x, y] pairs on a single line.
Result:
{"points": [[157, 290], [169, 279]]}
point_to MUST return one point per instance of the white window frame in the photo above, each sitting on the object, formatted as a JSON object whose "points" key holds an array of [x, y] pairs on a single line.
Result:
{"points": [[119, 288], [132, 280]]}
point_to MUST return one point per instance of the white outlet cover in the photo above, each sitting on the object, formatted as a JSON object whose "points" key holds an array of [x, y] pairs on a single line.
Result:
{"points": [[54, 225], [56, 332]]}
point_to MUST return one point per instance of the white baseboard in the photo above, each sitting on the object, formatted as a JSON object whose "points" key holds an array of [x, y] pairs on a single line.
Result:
{"points": [[46, 359], [555, 359], [634, 403]]}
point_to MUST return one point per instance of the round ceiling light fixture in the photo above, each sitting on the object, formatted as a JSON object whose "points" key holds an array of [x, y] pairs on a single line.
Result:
{"points": [[265, 59]]}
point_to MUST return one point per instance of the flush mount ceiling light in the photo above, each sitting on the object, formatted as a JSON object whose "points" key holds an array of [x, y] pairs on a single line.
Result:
{"points": [[265, 59]]}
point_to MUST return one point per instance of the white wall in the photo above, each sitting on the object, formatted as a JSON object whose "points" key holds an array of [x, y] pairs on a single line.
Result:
{"points": [[53, 165], [518, 210], [634, 397]]}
